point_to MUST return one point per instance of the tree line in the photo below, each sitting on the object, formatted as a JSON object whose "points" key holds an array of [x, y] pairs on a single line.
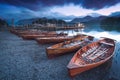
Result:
{"points": [[111, 23], [2, 22], [52, 21]]}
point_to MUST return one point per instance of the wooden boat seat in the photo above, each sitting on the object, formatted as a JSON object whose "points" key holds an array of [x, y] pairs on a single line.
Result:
{"points": [[72, 44], [96, 55], [89, 51], [107, 43]]}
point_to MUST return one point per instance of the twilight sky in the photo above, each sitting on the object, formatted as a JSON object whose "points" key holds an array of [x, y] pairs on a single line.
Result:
{"points": [[62, 9]]}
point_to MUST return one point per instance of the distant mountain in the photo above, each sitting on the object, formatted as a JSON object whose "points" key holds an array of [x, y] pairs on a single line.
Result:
{"points": [[26, 21], [115, 14], [43, 20], [67, 18], [60, 16], [98, 19], [84, 19], [111, 23], [94, 14], [88, 19]]}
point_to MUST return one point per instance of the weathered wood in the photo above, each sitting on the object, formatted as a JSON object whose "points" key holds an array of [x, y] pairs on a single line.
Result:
{"points": [[66, 47], [91, 56]]}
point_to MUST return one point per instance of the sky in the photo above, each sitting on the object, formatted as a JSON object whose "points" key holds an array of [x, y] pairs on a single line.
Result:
{"points": [[61, 9]]}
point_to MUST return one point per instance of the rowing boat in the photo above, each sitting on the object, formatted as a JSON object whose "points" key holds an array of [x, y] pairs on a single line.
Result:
{"points": [[57, 39], [67, 46], [20, 32], [34, 36], [34, 33], [91, 56]]}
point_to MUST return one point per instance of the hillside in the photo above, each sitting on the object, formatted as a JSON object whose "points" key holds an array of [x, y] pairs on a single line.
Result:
{"points": [[111, 23], [2, 22], [40, 21], [84, 19], [115, 14], [88, 19]]}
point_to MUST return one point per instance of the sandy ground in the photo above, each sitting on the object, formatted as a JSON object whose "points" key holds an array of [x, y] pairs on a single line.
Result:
{"points": [[26, 60]]}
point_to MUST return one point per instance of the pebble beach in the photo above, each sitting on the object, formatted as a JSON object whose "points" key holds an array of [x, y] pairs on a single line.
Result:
{"points": [[26, 60]]}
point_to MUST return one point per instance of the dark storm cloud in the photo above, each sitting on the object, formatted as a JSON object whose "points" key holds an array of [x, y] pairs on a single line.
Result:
{"points": [[98, 4], [40, 4], [30, 4]]}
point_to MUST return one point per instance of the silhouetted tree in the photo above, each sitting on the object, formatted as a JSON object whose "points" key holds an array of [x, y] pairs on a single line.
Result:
{"points": [[2, 22], [111, 23], [44, 20]]}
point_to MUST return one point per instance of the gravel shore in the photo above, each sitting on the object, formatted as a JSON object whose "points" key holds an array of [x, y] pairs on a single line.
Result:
{"points": [[26, 60]]}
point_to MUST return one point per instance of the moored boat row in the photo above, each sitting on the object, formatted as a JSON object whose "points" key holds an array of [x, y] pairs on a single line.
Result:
{"points": [[90, 53], [33, 34], [56, 39], [68, 46]]}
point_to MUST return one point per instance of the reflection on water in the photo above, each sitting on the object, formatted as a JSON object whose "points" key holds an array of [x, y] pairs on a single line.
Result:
{"points": [[113, 34]]}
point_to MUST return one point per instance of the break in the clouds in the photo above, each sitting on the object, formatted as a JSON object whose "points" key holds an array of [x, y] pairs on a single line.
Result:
{"points": [[80, 11], [62, 9], [39, 4]]}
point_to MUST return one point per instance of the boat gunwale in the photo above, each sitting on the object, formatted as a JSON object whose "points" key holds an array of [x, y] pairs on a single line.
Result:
{"points": [[88, 64]]}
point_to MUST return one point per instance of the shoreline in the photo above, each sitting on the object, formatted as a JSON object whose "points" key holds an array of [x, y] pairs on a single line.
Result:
{"points": [[27, 60]]}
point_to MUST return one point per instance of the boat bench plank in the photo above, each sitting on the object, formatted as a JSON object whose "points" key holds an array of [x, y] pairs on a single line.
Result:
{"points": [[97, 55], [94, 53], [72, 44]]}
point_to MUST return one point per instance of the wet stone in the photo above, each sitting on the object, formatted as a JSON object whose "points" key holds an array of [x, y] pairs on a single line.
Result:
{"points": [[26, 60]]}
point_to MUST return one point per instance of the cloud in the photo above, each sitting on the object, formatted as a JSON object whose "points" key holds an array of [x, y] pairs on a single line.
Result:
{"points": [[42, 4], [61, 9], [108, 11], [10, 12], [98, 4], [71, 10], [30, 4]]}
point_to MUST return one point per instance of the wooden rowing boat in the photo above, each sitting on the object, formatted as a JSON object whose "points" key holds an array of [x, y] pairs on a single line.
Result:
{"points": [[91, 56], [34, 36], [35, 33], [30, 32], [67, 46], [57, 39], [15, 31]]}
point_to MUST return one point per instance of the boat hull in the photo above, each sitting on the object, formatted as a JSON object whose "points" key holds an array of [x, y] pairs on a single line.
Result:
{"points": [[91, 56], [33, 37], [75, 71], [65, 47], [35, 33], [48, 40], [51, 53]]}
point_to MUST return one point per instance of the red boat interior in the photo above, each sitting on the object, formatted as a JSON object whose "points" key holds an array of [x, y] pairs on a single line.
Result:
{"points": [[94, 52]]}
